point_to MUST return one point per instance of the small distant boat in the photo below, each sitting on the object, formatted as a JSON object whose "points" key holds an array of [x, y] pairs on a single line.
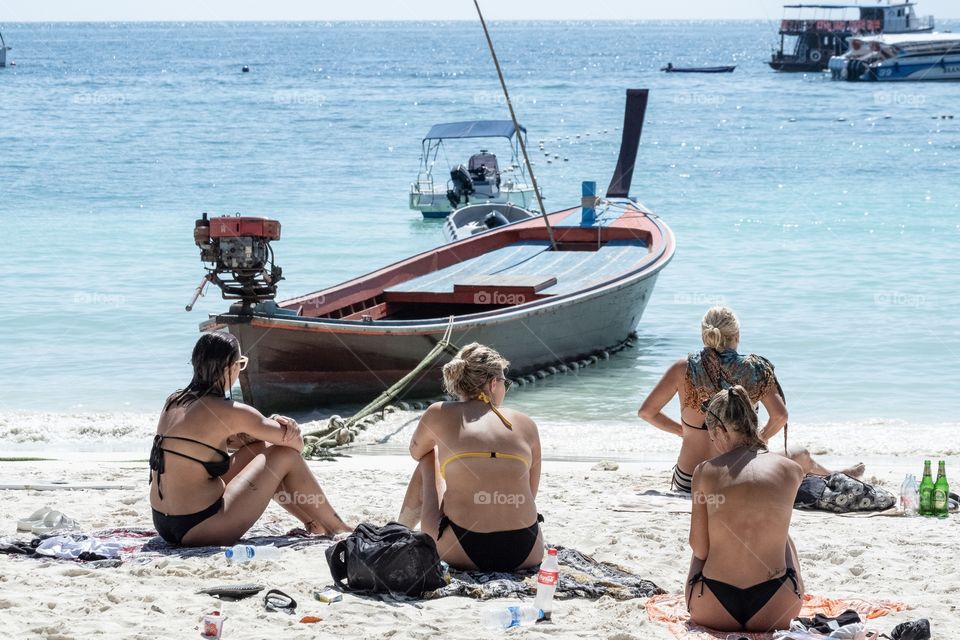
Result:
{"points": [[722, 69], [891, 58], [479, 218], [481, 180]]}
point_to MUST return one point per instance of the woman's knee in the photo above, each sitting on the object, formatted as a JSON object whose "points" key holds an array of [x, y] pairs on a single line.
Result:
{"points": [[280, 455]]}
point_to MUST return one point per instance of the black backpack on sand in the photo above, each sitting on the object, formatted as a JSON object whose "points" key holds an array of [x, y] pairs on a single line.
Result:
{"points": [[388, 559]]}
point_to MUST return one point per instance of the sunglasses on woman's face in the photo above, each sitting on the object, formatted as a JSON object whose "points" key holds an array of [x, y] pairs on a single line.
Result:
{"points": [[507, 383]]}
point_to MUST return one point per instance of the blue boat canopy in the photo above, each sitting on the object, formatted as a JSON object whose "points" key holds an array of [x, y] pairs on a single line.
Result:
{"points": [[473, 129]]}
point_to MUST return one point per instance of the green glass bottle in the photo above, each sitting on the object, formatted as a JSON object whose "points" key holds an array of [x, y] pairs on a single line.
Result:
{"points": [[926, 491], [941, 491]]}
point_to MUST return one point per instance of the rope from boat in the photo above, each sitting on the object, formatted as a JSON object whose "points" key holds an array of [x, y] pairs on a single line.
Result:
{"points": [[340, 432]]}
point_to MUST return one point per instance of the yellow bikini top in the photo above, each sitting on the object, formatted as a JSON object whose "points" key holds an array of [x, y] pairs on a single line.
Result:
{"points": [[480, 454], [483, 397]]}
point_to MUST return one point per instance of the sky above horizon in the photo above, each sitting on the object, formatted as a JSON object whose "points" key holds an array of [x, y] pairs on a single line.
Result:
{"points": [[190, 10]]}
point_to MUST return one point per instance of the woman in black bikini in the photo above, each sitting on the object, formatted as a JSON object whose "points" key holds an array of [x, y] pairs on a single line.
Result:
{"points": [[475, 487], [200, 494], [744, 575]]}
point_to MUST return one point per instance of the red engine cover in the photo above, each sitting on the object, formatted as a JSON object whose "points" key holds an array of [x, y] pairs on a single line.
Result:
{"points": [[233, 227]]}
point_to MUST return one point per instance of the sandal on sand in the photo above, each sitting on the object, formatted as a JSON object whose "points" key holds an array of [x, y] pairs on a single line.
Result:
{"points": [[276, 600], [54, 522], [233, 591], [33, 519]]}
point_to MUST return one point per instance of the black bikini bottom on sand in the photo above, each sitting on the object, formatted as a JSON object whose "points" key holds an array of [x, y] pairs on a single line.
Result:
{"points": [[173, 528], [497, 550]]}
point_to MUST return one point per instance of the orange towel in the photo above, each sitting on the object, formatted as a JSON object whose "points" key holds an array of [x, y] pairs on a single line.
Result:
{"points": [[672, 611]]}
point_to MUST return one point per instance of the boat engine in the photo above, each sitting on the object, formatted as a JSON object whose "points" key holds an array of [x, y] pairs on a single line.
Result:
{"points": [[238, 248], [461, 186]]}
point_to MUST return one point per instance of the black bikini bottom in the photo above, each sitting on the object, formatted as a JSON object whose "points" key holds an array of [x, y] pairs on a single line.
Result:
{"points": [[497, 550], [743, 604], [173, 528]]}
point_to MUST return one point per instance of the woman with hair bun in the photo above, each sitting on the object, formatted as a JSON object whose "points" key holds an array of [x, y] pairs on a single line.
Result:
{"points": [[699, 376], [744, 574], [475, 486], [203, 495]]}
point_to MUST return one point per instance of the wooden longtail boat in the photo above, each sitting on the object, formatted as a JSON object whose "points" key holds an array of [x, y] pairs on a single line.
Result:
{"points": [[537, 304]]}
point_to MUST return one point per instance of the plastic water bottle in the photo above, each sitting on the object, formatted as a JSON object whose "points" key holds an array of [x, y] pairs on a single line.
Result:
{"points": [[909, 496], [248, 552], [903, 494], [547, 584], [507, 617]]}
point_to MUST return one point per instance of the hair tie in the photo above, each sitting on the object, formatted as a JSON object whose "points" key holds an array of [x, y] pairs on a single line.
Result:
{"points": [[483, 397]]}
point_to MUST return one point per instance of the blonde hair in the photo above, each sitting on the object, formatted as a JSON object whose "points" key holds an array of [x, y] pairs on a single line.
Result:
{"points": [[474, 366], [719, 327], [731, 408]]}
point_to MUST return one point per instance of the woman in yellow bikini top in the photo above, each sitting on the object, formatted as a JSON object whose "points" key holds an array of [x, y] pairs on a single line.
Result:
{"points": [[478, 470]]}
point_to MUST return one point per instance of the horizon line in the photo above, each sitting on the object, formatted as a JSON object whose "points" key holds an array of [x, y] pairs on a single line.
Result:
{"points": [[391, 20]]}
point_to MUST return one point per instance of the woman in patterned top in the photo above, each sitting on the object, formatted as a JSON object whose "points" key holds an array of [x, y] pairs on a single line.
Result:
{"points": [[699, 376]]}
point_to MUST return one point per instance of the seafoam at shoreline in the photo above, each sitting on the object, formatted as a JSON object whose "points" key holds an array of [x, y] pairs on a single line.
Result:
{"points": [[105, 435]]}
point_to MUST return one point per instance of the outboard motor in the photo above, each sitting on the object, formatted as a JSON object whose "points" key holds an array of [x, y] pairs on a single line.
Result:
{"points": [[495, 219], [238, 248], [461, 186]]}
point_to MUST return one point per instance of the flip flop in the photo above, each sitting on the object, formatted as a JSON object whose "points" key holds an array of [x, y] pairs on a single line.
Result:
{"points": [[54, 522], [276, 600], [33, 519], [233, 591]]}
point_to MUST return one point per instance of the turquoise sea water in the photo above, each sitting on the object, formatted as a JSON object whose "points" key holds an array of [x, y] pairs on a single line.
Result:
{"points": [[827, 214]]}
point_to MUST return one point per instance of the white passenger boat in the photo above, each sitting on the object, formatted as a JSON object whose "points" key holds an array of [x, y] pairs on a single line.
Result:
{"points": [[890, 58]]}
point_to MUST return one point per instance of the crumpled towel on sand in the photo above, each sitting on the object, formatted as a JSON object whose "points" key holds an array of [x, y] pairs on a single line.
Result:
{"points": [[653, 501], [672, 611], [580, 577], [258, 536]]}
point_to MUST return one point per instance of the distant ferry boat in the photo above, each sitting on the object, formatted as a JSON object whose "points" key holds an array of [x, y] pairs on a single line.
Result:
{"points": [[887, 58], [3, 52], [813, 33]]}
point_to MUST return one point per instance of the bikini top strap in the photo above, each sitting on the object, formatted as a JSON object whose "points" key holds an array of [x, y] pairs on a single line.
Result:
{"points": [[204, 444], [158, 464]]}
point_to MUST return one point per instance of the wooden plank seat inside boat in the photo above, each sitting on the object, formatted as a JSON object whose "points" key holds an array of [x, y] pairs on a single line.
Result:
{"points": [[481, 289], [520, 273]]}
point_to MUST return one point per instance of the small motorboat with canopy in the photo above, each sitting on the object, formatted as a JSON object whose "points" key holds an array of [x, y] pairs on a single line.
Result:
{"points": [[484, 179]]}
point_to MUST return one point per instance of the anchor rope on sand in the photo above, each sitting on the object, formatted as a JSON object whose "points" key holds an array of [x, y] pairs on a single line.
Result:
{"points": [[340, 432]]}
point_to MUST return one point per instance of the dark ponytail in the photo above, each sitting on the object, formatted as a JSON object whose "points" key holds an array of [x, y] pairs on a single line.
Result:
{"points": [[213, 353]]}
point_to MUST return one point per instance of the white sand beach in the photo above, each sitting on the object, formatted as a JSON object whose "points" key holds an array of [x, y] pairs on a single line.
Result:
{"points": [[906, 559]]}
